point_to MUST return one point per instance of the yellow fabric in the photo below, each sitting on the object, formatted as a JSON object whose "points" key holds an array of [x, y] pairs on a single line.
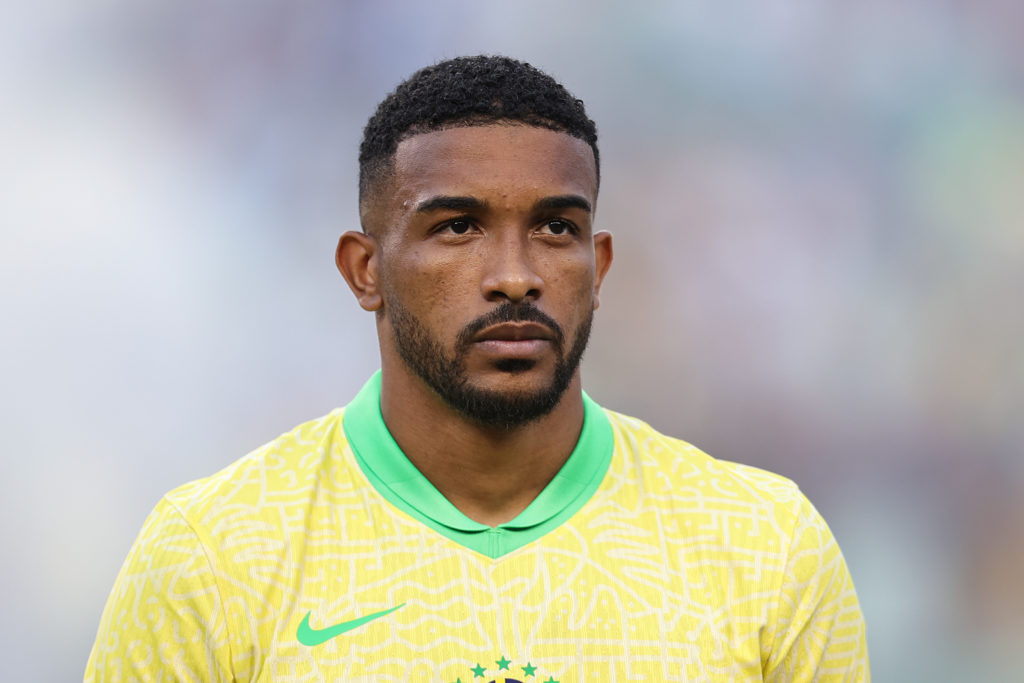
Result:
{"points": [[679, 568]]}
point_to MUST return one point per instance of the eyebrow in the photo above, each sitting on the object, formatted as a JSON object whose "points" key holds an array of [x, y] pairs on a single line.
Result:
{"points": [[448, 203], [565, 201], [452, 203]]}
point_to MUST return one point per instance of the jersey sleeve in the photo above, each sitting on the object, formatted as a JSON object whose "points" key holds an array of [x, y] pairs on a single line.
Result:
{"points": [[817, 631], [164, 619]]}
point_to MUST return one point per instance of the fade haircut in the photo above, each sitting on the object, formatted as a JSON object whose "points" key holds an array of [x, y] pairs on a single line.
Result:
{"points": [[468, 91]]}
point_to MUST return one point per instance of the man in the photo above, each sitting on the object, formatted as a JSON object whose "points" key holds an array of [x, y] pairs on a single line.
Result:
{"points": [[472, 515]]}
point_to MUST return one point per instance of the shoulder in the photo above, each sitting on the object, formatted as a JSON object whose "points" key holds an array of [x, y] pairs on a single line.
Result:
{"points": [[685, 476], [287, 465], [209, 561]]}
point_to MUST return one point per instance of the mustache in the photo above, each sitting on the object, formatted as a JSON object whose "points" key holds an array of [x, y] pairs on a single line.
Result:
{"points": [[509, 312]]}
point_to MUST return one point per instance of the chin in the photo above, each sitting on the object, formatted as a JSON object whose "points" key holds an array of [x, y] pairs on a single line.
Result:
{"points": [[509, 401], [515, 366]]}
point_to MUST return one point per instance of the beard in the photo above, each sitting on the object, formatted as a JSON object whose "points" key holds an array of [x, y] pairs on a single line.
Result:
{"points": [[446, 373]]}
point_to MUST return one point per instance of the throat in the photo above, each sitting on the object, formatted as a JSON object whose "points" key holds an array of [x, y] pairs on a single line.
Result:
{"points": [[493, 486], [490, 473]]}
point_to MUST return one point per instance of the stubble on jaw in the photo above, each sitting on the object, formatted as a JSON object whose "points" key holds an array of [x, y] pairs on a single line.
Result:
{"points": [[446, 373]]}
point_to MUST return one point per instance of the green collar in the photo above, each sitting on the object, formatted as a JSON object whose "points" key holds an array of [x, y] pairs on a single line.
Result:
{"points": [[398, 480]]}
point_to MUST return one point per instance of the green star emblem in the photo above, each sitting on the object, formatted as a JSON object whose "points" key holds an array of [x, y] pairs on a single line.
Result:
{"points": [[529, 669], [478, 671], [503, 663], [550, 680]]}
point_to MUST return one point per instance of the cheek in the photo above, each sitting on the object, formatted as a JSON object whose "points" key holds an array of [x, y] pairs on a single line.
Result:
{"points": [[432, 291], [575, 280]]}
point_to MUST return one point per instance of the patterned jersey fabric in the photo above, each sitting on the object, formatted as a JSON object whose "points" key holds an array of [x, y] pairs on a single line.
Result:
{"points": [[325, 556]]}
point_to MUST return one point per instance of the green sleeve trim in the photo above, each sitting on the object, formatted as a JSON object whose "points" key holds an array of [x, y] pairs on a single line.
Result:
{"points": [[401, 484]]}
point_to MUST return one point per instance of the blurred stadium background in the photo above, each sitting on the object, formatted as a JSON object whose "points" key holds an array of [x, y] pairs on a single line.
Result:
{"points": [[819, 221]]}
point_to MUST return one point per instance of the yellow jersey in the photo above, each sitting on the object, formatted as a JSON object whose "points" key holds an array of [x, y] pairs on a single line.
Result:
{"points": [[326, 556]]}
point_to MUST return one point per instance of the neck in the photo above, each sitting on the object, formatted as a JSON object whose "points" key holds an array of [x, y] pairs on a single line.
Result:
{"points": [[489, 473]]}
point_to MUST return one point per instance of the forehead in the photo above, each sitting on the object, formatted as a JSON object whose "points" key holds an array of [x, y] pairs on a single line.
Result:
{"points": [[500, 159]]}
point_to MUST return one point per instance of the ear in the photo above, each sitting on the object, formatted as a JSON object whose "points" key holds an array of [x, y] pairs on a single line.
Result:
{"points": [[602, 261], [357, 260]]}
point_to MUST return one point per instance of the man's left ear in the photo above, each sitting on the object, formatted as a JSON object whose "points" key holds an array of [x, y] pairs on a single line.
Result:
{"points": [[602, 261]]}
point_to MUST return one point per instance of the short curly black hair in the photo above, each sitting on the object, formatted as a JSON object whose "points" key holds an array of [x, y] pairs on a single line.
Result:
{"points": [[468, 91]]}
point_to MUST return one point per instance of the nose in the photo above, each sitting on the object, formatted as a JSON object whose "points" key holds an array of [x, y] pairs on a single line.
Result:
{"points": [[510, 273]]}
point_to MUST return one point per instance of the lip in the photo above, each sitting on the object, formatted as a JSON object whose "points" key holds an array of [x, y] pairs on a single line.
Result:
{"points": [[515, 332], [514, 340]]}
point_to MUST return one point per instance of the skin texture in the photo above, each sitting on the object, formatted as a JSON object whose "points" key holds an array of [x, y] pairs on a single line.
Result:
{"points": [[475, 222]]}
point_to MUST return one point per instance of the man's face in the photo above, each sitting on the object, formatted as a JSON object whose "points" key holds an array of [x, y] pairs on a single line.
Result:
{"points": [[488, 272]]}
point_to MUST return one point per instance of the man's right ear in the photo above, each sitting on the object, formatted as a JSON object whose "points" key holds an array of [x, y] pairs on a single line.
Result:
{"points": [[357, 260]]}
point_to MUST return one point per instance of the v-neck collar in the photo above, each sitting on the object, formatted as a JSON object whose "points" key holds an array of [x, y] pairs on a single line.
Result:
{"points": [[397, 479]]}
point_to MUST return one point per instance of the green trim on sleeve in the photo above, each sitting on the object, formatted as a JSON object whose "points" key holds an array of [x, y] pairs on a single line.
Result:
{"points": [[402, 485]]}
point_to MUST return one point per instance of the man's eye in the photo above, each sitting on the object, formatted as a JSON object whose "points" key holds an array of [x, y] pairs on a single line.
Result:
{"points": [[558, 227], [459, 227]]}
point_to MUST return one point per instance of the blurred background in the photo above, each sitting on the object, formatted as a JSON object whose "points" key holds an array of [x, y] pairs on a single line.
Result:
{"points": [[819, 221]]}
